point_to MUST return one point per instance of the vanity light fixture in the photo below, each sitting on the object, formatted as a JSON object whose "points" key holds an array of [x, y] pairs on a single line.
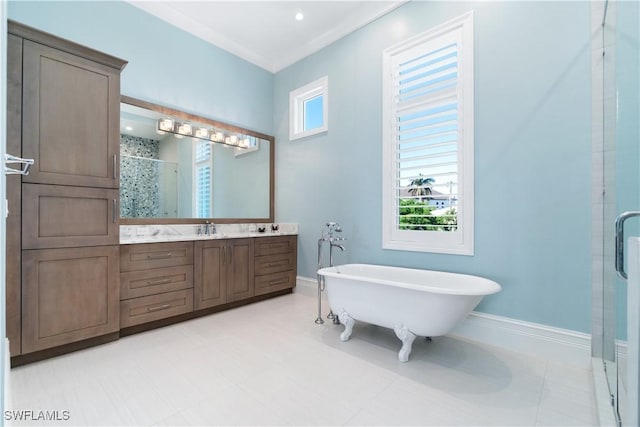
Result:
{"points": [[217, 136], [165, 125], [185, 129], [180, 130], [202, 133]]}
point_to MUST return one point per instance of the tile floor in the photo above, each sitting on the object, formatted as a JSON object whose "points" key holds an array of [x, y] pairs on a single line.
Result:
{"points": [[269, 364]]}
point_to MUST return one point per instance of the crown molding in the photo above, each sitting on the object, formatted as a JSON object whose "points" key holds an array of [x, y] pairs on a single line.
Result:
{"points": [[331, 36], [164, 11]]}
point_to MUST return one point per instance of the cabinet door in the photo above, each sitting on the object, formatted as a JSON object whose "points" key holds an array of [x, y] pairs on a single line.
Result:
{"points": [[240, 280], [56, 216], [68, 295], [210, 273], [14, 139], [71, 109]]}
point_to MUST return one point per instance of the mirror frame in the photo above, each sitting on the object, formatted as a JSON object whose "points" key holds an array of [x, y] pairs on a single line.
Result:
{"points": [[220, 125]]}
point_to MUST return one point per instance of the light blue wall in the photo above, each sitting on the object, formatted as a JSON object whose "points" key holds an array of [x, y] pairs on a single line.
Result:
{"points": [[166, 65], [532, 134], [532, 159]]}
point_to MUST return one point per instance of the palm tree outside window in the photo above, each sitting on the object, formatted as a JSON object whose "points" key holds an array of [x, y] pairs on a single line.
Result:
{"points": [[421, 187]]}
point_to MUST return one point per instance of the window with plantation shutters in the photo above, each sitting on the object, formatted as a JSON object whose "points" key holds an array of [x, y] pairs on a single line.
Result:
{"points": [[428, 141], [202, 163]]}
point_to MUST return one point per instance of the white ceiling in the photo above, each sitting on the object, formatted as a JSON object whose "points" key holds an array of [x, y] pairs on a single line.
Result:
{"points": [[266, 33]]}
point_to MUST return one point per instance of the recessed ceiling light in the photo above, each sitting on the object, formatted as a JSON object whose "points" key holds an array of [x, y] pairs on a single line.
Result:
{"points": [[299, 16]]}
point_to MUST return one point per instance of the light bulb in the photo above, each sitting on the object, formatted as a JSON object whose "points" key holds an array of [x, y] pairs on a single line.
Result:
{"points": [[166, 125], [202, 133], [185, 129]]}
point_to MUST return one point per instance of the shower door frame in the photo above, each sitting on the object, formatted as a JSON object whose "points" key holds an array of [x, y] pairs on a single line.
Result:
{"points": [[604, 204], [615, 188]]}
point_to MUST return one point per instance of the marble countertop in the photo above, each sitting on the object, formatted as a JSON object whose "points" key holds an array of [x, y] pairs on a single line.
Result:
{"points": [[132, 234]]}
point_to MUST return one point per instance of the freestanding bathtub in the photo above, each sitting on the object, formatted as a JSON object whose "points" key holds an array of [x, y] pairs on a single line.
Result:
{"points": [[409, 301]]}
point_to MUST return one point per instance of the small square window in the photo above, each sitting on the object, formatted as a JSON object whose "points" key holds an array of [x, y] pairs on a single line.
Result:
{"points": [[308, 109]]}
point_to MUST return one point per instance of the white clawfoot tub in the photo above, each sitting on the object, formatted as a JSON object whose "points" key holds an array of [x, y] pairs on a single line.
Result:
{"points": [[409, 301]]}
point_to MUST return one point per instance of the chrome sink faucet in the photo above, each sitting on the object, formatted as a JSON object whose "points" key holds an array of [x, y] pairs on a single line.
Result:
{"points": [[209, 228], [206, 229]]}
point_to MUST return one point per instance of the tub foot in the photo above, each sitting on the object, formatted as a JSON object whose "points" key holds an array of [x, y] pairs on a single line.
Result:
{"points": [[348, 323], [407, 337]]}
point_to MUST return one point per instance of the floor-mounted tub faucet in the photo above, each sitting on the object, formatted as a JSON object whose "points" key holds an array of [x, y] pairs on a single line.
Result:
{"points": [[328, 235]]}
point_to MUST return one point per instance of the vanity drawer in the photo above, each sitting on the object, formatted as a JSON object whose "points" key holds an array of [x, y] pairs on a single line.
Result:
{"points": [[275, 245], [134, 284], [267, 283], [155, 307], [274, 263], [155, 255]]}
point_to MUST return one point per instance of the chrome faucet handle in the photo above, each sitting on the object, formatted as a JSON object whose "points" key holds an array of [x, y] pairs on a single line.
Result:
{"points": [[209, 228]]}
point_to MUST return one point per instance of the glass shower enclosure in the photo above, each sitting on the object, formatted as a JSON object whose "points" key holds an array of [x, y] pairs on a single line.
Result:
{"points": [[617, 172]]}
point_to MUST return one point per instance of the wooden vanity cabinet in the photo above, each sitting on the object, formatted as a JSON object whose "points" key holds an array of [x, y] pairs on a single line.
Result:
{"points": [[70, 117], [223, 271], [63, 105], [275, 263], [14, 217], [68, 295], [61, 216], [156, 281]]}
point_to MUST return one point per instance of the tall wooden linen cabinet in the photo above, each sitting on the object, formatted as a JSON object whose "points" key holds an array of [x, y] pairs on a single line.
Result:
{"points": [[63, 111]]}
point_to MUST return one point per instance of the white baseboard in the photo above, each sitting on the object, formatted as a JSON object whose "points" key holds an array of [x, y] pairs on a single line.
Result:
{"points": [[306, 286], [543, 341], [535, 339]]}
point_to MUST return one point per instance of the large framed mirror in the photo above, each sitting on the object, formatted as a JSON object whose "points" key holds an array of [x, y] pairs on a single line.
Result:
{"points": [[177, 167]]}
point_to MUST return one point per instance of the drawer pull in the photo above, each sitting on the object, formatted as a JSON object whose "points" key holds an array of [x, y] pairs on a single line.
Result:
{"points": [[277, 282], [159, 307], [277, 264], [159, 282], [279, 246], [161, 256]]}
